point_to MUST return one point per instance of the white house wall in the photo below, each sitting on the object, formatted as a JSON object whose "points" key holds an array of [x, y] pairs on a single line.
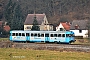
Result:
{"points": [[46, 27], [45, 20], [58, 27], [84, 33], [42, 27], [25, 27]]}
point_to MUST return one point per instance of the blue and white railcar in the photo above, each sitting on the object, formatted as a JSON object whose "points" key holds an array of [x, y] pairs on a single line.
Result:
{"points": [[42, 36]]}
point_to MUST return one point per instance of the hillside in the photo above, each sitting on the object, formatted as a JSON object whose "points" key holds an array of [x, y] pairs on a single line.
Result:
{"points": [[54, 9]]}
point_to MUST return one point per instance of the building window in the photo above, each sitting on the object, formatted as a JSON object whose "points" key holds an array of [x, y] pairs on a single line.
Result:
{"points": [[28, 27], [61, 29], [76, 27], [80, 31]]}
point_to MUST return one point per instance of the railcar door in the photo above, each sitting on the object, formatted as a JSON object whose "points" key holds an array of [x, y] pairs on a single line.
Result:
{"points": [[46, 37], [27, 37]]}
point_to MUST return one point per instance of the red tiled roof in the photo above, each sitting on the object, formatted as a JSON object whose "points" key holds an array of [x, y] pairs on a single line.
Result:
{"points": [[66, 26], [30, 18], [6, 28]]}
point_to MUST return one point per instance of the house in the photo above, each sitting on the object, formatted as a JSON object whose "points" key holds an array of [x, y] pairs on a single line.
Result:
{"points": [[4, 26], [79, 27], [41, 19], [63, 27]]}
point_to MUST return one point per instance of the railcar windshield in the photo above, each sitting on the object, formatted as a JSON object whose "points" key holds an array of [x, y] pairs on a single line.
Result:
{"points": [[69, 35], [13, 34]]}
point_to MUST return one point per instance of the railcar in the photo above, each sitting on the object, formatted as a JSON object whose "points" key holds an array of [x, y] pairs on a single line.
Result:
{"points": [[42, 36]]}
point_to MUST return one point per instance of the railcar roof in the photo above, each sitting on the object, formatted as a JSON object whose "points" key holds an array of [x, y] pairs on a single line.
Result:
{"points": [[18, 31]]}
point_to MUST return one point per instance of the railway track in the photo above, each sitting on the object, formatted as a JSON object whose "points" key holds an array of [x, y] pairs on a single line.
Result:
{"points": [[47, 46]]}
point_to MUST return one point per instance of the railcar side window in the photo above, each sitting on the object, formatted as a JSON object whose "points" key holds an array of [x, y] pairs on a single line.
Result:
{"points": [[51, 35], [38, 35], [16, 34], [23, 34], [19, 34], [42, 35], [59, 35], [31, 34], [13, 34], [55, 35], [35, 34], [27, 34], [63, 35], [46, 35]]}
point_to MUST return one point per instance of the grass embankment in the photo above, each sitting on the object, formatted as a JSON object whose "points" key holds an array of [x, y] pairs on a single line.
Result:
{"points": [[4, 39], [27, 54]]}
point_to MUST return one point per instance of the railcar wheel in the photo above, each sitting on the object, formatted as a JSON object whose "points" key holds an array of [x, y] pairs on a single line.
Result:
{"points": [[70, 42], [59, 42], [55, 42]]}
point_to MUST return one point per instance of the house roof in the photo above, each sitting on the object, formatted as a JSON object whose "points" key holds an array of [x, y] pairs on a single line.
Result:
{"points": [[30, 18], [66, 26], [6, 28], [81, 24]]}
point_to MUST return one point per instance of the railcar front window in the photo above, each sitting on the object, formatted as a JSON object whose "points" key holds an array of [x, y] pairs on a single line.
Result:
{"points": [[67, 35], [72, 35], [13, 34]]}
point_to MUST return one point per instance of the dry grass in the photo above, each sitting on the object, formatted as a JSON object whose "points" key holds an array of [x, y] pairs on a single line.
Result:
{"points": [[4, 39], [82, 41], [27, 54]]}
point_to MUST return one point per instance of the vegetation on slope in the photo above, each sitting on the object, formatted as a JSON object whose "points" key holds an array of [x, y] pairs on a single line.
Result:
{"points": [[54, 9]]}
